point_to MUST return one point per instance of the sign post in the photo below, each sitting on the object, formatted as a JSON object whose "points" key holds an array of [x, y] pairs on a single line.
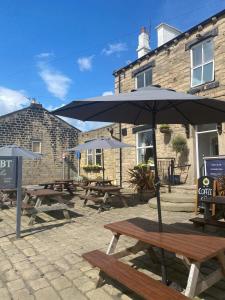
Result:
{"points": [[205, 194], [11, 178], [19, 195]]}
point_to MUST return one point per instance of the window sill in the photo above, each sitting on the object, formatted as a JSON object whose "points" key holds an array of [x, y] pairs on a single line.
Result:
{"points": [[204, 87]]}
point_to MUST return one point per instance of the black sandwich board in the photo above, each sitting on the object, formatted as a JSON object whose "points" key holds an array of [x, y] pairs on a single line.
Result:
{"points": [[206, 190], [8, 172]]}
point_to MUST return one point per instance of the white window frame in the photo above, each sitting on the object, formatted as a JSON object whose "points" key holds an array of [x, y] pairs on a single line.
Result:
{"points": [[202, 64], [40, 146], [93, 155], [143, 72], [137, 147]]}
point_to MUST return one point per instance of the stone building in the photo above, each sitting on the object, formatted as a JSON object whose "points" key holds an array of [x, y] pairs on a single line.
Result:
{"points": [[192, 61], [35, 129]]}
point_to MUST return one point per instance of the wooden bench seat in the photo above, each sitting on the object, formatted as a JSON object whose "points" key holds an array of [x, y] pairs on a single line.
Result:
{"points": [[93, 198], [138, 282], [203, 222]]}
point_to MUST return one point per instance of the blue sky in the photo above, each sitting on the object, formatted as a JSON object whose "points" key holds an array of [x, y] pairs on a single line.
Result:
{"points": [[60, 50]]}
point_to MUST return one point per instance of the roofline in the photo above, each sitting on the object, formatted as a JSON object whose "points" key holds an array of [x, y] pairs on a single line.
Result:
{"points": [[172, 27], [169, 43], [25, 108], [103, 127]]}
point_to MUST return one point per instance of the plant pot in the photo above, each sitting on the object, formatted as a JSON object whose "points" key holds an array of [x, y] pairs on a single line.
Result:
{"points": [[165, 130], [144, 196]]}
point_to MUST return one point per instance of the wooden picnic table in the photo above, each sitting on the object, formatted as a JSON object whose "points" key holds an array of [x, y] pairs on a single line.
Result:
{"points": [[39, 196], [64, 184], [107, 191], [193, 249]]}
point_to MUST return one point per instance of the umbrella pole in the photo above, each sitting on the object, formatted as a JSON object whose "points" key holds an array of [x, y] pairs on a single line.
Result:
{"points": [[157, 187]]}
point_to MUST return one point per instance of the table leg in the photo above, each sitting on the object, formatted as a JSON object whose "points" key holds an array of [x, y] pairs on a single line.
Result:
{"points": [[112, 246], [66, 214], [192, 280], [102, 205], [88, 192], [34, 214]]}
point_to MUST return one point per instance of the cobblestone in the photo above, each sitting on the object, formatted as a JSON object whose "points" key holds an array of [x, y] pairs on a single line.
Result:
{"points": [[47, 263]]}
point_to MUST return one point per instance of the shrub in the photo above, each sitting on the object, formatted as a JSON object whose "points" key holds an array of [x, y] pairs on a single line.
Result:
{"points": [[179, 143]]}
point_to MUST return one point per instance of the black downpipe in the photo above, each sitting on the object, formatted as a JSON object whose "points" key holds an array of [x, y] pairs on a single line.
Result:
{"points": [[157, 188], [120, 138]]}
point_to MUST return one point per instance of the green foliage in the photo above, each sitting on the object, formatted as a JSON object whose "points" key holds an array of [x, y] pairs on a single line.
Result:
{"points": [[142, 178], [179, 143], [92, 168], [164, 128]]}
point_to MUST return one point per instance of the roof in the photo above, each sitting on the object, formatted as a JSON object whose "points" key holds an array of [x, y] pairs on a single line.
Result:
{"points": [[37, 106], [179, 37]]}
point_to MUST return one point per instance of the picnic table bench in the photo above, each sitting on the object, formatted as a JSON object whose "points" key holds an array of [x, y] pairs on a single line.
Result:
{"points": [[39, 196], [7, 195], [106, 191], [209, 219], [136, 281], [193, 249]]}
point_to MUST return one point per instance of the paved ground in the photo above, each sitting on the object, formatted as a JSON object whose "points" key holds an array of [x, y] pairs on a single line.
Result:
{"points": [[47, 264]]}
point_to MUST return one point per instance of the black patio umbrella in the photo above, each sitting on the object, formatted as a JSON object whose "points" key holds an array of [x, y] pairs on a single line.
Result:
{"points": [[101, 143], [151, 105]]}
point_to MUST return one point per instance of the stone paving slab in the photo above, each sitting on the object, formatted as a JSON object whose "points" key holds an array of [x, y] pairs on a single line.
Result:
{"points": [[47, 262]]}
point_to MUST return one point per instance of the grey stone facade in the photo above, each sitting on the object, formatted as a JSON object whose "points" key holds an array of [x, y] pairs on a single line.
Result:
{"points": [[35, 123]]}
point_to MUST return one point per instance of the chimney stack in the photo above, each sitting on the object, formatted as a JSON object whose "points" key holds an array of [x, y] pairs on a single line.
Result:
{"points": [[165, 33], [143, 42]]}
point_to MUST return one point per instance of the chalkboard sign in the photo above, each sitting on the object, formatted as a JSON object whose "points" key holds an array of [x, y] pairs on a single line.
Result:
{"points": [[206, 190], [214, 166], [8, 172]]}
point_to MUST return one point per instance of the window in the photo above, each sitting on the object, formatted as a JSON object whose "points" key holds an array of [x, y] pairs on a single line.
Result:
{"points": [[94, 157], [202, 63], [144, 146], [36, 146], [144, 78]]}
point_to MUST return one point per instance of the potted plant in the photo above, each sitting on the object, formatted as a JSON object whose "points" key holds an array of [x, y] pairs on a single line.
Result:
{"points": [[179, 143], [142, 179], [165, 128], [92, 168]]}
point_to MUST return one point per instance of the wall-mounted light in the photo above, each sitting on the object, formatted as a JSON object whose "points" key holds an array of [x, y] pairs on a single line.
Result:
{"points": [[219, 128]]}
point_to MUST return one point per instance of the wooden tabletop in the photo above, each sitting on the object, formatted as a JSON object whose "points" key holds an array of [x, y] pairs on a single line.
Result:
{"points": [[195, 246], [99, 180], [64, 181], [7, 190], [104, 188], [43, 193]]}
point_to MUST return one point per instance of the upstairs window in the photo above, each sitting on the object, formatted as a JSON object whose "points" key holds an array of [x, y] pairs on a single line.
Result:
{"points": [[36, 146], [144, 78], [94, 157], [202, 63]]}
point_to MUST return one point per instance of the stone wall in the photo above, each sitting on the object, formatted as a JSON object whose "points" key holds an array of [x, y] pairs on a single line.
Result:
{"points": [[36, 123]]}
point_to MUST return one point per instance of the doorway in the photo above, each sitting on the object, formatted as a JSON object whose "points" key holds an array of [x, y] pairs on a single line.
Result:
{"points": [[206, 144]]}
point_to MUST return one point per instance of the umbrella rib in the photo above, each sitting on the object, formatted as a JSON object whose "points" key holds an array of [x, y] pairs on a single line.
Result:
{"points": [[171, 105], [180, 112], [104, 111]]}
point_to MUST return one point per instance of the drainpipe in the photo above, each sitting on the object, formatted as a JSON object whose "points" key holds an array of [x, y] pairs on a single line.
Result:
{"points": [[120, 137]]}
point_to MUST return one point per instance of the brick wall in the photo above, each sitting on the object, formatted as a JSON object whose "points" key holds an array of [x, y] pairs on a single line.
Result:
{"points": [[55, 135]]}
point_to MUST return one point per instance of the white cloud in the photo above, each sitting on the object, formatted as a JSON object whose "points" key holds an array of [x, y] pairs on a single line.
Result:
{"points": [[85, 63], [11, 100], [114, 48], [85, 126], [107, 93], [57, 83]]}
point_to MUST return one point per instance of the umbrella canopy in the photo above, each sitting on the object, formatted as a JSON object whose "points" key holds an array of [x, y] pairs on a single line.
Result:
{"points": [[101, 143], [150, 105], [137, 107], [14, 150]]}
